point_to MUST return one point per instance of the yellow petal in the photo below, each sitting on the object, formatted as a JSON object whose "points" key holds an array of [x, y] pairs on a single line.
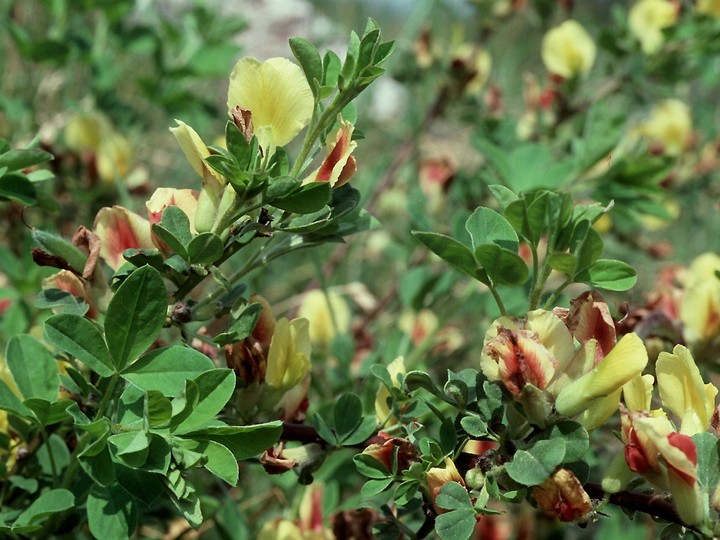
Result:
{"points": [[328, 314], [647, 18], [637, 393], [683, 390], [192, 146], [185, 199], [113, 157], [120, 229], [382, 410], [289, 355], [278, 95], [553, 334], [568, 50], [626, 360], [600, 410]]}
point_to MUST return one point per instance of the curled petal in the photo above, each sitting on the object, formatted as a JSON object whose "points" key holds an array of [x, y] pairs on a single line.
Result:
{"points": [[339, 164], [521, 359], [69, 282], [120, 229], [637, 393], [590, 318]]}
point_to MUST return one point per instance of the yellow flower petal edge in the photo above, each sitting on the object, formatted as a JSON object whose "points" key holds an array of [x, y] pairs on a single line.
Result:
{"points": [[568, 50], [637, 393], [277, 94], [683, 391], [289, 355]]}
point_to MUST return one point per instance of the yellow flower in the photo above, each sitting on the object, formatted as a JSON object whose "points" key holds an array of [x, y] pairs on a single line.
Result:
{"points": [[382, 409], [637, 393], [563, 496], [437, 477], [277, 94], [213, 184], [531, 350], [568, 50], [683, 391], [92, 132], [84, 131], [120, 229], [647, 19], [624, 362], [328, 314], [289, 355], [114, 157], [709, 7], [669, 125], [700, 309], [474, 65]]}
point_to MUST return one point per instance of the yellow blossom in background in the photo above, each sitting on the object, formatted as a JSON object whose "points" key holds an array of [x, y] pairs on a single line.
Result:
{"points": [[700, 309], [328, 314], [476, 65], [669, 125], [93, 133], [84, 131], [709, 7], [568, 50], [289, 355], [277, 94], [683, 390], [647, 19], [114, 157], [382, 409]]}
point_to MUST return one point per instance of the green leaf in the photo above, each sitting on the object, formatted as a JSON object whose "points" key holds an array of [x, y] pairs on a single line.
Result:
{"points": [[131, 447], [80, 338], [364, 430], [708, 465], [370, 467], [488, 227], [145, 486], [57, 245], [242, 327], [305, 200], [609, 274], [589, 250], [373, 487], [309, 58], [503, 266], [563, 262], [347, 415], [504, 195], [219, 460], [166, 369], [9, 402], [111, 512], [49, 503], [60, 454], [453, 496], [331, 69], [453, 252], [17, 160], [33, 368], [215, 387], [46, 412], [205, 248], [456, 525], [159, 409], [576, 437], [174, 230], [243, 441], [100, 466], [474, 426], [135, 315], [531, 468], [16, 187]]}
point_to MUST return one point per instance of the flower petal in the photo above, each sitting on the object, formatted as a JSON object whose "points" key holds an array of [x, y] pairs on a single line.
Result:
{"points": [[278, 95], [120, 229]]}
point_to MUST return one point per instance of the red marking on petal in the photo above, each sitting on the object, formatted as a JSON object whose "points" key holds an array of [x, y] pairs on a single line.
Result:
{"points": [[686, 445]]}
